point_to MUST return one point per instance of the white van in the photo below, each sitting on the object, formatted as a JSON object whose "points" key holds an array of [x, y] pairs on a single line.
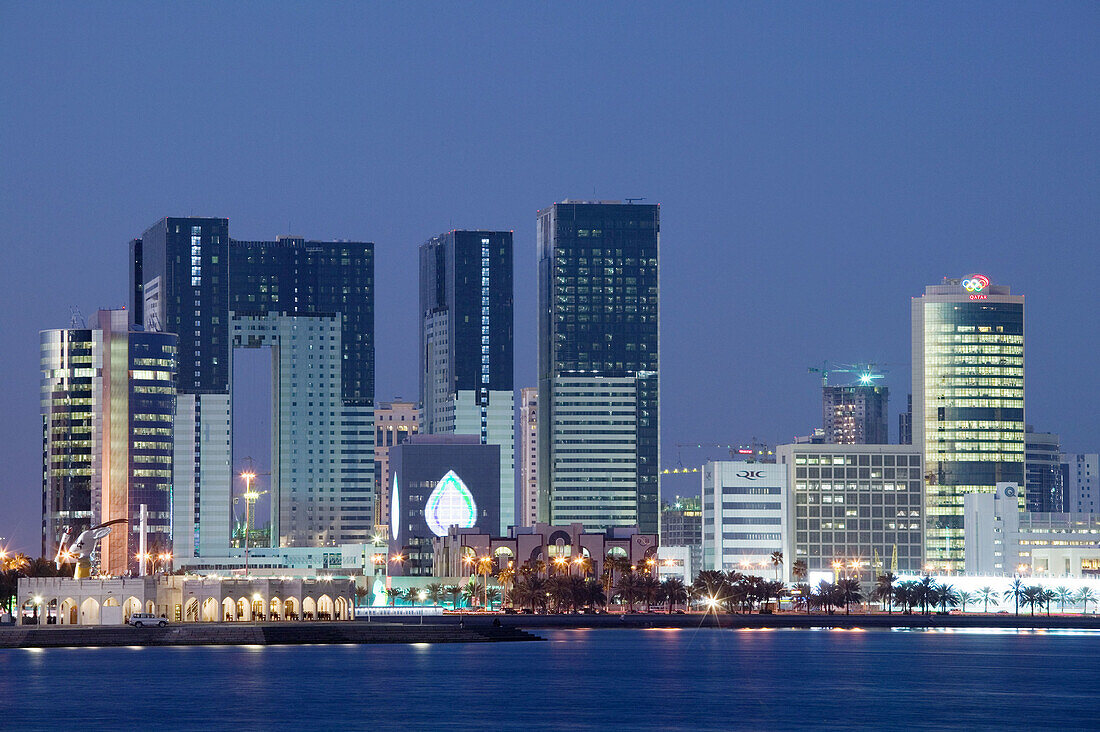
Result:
{"points": [[140, 620]]}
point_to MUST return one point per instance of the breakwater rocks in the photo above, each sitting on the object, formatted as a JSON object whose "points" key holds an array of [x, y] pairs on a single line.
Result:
{"points": [[205, 634]]}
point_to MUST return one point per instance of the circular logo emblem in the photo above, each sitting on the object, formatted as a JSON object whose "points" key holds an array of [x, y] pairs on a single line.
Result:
{"points": [[975, 283], [1010, 491]]}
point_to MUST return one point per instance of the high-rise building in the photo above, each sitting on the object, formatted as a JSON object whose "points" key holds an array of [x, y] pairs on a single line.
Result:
{"points": [[438, 482], [528, 512], [856, 415], [1043, 490], [744, 517], [682, 526], [312, 304], [905, 423], [108, 400], [1081, 482], [860, 505], [394, 422], [599, 364], [466, 353], [968, 401]]}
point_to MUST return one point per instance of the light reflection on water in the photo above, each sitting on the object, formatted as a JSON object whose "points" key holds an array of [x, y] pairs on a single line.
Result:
{"points": [[697, 679]]}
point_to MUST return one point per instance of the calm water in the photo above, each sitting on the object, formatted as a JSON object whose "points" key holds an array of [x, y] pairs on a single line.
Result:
{"points": [[597, 679]]}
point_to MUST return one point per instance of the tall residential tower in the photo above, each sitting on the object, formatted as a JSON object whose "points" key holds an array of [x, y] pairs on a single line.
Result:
{"points": [[599, 364], [466, 356], [968, 401]]}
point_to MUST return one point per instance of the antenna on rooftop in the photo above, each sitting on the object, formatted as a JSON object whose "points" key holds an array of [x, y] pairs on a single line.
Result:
{"points": [[632, 200], [76, 318]]}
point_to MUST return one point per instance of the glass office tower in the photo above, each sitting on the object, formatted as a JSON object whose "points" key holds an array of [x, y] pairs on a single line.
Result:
{"points": [[968, 401], [466, 352], [599, 364]]}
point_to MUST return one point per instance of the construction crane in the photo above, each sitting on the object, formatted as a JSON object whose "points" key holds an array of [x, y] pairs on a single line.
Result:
{"points": [[749, 453], [866, 373], [250, 497]]}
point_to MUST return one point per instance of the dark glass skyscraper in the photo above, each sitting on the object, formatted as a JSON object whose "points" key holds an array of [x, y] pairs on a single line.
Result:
{"points": [[598, 364], [312, 303], [466, 352]]}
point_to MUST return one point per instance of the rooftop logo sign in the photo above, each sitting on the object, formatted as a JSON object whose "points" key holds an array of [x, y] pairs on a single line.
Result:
{"points": [[976, 283]]}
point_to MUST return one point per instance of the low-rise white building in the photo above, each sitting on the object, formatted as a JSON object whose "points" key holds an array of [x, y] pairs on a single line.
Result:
{"points": [[744, 515], [1002, 540]]}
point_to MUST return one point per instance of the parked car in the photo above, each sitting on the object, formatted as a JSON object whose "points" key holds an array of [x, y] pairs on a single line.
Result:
{"points": [[140, 620]]}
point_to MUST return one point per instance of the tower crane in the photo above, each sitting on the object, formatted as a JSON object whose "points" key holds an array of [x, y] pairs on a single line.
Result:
{"points": [[866, 373]]}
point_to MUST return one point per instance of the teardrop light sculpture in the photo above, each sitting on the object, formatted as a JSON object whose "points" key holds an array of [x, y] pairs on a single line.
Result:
{"points": [[395, 510], [450, 504]]}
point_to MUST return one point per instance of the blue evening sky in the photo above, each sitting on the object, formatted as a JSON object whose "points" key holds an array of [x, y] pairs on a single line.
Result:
{"points": [[817, 164]]}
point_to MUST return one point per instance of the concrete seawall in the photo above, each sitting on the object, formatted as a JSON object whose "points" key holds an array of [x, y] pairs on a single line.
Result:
{"points": [[204, 634]]}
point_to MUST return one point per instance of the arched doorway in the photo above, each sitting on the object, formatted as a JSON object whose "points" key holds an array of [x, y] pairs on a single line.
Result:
{"points": [[210, 610], [69, 612], [89, 612], [191, 610], [258, 608], [324, 608], [244, 609], [274, 608], [309, 608], [133, 605], [29, 612], [290, 609], [52, 617], [341, 609], [229, 609]]}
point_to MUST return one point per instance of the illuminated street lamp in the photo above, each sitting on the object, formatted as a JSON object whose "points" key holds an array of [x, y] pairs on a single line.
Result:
{"points": [[561, 563]]}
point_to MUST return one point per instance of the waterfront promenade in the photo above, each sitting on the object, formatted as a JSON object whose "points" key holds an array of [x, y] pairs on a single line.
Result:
{"points": [[479, 628]]}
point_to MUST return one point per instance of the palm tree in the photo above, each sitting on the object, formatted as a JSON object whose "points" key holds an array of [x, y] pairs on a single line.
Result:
{"points": [[1085, 596], [926, 594], [946, 596], [1048, 597], [360, 594], [674, 591], [649, 589], [1032, 595], [394, 594], [1063, 595], [505, 577], [435, 592], [799, 570], [801, 596], [628, 591], [850, 592], [777, 560], [561, 592], [412, 595], [453, 592], [1015, 591], [492, 595], [470, 592], [907, 595], [884, 590], [985, 596], [964, 597], [828, 596]]}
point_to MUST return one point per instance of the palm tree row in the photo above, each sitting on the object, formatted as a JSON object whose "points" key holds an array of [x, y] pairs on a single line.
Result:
{"points": [[737, 592]]}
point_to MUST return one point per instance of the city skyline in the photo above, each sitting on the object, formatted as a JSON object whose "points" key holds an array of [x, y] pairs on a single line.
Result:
{"points": [[815, 271]]}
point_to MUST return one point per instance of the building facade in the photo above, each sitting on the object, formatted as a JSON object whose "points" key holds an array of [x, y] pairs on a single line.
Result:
{"points": [[466, 351], [1043, 487], [394, 422], [1002, 540], [856, 415], [436, 482], [528, 512], [682, 526], [745, 517], [108, 405], [905, 423], [312, 304], [599, 359], [1080, 473], [860, 504], [968, 401]]}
